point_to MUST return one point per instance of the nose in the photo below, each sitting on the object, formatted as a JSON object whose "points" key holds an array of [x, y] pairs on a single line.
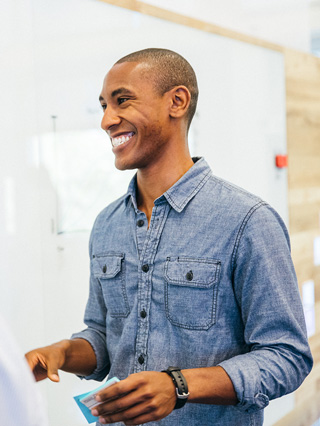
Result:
{"points": [[110, 118]]}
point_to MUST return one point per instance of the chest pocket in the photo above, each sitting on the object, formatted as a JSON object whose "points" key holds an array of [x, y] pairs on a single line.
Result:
{"points": [[191, 292], [109, 269]]}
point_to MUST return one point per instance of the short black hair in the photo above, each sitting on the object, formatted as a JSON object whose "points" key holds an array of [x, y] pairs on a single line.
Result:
{"points": [[169, 69]]}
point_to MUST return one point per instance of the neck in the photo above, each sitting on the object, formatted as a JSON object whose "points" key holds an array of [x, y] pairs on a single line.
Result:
{"points": [[154, 181]]}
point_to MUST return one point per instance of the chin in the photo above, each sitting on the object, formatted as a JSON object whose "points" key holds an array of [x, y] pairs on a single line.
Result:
{"points": [[124, 166]]}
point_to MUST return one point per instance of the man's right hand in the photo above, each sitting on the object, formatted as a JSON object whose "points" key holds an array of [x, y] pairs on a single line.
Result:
{"points": [[74, 356], [45, 362]]}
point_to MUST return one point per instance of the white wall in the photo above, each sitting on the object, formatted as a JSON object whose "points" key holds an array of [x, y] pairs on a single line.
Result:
{"points": [[20, 240]]}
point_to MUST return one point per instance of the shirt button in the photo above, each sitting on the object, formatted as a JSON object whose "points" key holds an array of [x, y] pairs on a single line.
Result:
{"points": [[140, 223], [189, 276], [143, 314], [141, 359], [145, 268]]}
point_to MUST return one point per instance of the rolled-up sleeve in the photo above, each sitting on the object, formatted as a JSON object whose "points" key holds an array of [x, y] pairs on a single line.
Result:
{"points": [[267, 294]]}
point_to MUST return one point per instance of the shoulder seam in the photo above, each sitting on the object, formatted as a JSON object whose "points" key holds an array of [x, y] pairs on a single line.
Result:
{"points": [[242, 227], [231, 186]]}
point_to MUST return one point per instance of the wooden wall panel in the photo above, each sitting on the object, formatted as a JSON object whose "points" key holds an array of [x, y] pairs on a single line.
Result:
{"points": [[148, 9], [303, 138]]}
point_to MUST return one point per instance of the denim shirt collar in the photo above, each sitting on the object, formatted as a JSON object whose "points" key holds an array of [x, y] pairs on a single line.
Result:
{"points": [[182, 191]]}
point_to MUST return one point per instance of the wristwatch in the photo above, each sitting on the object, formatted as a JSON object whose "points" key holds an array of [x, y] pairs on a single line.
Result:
{"points": [[180, 384]]}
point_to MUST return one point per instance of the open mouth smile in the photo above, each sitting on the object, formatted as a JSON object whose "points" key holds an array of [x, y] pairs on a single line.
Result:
{"points": [[121, 139]]}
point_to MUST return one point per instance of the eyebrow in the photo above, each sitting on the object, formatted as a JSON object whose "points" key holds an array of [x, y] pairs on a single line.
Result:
{"points": [[120, 91]]}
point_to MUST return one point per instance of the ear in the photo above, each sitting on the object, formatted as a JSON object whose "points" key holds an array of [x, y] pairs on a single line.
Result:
{"points": [[179, 101]]}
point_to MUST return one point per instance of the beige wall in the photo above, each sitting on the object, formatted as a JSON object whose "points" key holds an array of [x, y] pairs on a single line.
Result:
{"points": [[285, 22], [303, 129]]}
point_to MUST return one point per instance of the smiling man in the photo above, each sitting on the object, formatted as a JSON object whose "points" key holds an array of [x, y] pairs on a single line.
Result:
{"points": [[193, 299]]}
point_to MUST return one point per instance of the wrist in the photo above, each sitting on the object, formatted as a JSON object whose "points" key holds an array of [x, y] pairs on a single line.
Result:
{"points": [[180, 384], [77, 356], [210, 385], [64, 348]]}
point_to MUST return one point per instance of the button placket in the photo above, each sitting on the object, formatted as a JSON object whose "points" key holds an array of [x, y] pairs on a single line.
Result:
{"points": [[141, 231], [145, 268], [151, 241], [141, 359]]}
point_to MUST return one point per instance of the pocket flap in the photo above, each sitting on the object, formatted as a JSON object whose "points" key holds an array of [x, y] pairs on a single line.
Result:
{"points": [[107, 265], [192, 272]]}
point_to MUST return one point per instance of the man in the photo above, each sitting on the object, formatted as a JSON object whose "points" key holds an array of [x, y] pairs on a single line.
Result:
{"points": [[187, 271]]}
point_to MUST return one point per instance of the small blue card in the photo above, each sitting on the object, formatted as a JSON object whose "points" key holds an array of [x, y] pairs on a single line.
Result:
{"points": [[86, 401]]}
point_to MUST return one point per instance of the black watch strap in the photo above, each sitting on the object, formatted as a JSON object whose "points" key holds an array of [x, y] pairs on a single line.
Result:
{"points": [[181, 385]]}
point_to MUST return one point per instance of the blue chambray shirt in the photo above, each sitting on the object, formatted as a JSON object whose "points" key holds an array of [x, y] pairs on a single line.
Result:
{"points": [[211, 282]]}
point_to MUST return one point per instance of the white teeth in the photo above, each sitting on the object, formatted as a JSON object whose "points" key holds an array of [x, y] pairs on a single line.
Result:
{"points": [[121, 139]]}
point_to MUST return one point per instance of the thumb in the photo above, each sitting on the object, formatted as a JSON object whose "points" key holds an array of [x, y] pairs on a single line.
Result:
{"points": [[53, 375]]}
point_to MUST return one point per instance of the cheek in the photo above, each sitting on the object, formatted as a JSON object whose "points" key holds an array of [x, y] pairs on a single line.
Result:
{"points": [[153, 138], [154, 126], [155, 130]]}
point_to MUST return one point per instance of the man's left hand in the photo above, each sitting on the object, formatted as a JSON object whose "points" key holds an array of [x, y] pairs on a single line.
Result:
{"points": [[141, 398]]}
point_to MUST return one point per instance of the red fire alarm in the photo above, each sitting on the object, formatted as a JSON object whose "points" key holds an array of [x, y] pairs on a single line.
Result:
{"points": [[281, 161]]}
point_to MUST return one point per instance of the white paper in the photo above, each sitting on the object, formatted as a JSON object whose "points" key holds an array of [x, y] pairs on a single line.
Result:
{"points": [[308, 301], [316, 251]]}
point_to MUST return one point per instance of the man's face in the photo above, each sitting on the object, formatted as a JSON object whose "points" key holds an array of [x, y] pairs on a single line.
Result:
{"points": [[135, 117]]}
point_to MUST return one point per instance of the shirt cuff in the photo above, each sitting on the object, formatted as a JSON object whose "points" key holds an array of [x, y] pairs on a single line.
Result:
{"points": [[245, 375], [98, 342]]}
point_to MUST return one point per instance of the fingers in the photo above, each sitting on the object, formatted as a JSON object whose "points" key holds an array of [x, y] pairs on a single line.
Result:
{"points": [[144, 412], [36, 365], [139, 414], [120, 404], [141, 398], [122, 388], [44, 364], [31, 360]]}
